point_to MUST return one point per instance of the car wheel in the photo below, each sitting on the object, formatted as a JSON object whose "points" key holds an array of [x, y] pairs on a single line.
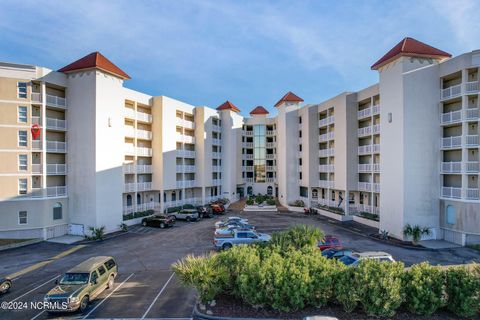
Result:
{"points": [[5, 286], [111, 280], [227, 246], [162, 225], [144, 223], [83, 304], [189, 219]]}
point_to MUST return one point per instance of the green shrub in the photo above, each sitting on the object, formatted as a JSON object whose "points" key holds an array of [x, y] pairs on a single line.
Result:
{"points": [[271, 202], [346, 289], [128, 216], [249, 202], [424, 287], [463, 290], [297, 203], [97, 233], [188, 206], [379, 286], [298, 236], [370, 216], [123, 227], [415, 232], [173, 209], [204, 273]]}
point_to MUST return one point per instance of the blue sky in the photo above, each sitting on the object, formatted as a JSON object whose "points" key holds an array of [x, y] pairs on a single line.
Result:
{"points": [[249, 52]]}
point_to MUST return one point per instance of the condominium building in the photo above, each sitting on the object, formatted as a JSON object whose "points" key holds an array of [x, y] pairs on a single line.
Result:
{"points": [[81, 150]]}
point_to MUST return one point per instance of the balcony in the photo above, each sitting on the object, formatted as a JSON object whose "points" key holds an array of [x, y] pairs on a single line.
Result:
{"points": [[270, 179], [471, 114], [216, 182], [139, 186], [472, 87], [129, 113], [365, 167], [376, 187], [326, 136], [185, 123], [451, 92], [144, 152], [248, 133], [248, 144], [376, 167], [451, 167], [129, 131], [144, 117], [56, 124], [269, 145], [271, 168], [37, 145], [326, 121], [57, 169], [472, 141], [325, 184], [216, 168], [326, 168], [144, 134], [186, 184], [365, 186], [56, 146], [365, 131], [218, 155], [326, 152], [375, 148], [451, 192], [472, 194], [130, 150], [147, 206], [376, 109], [51, 100], [216, 128], [270, 156], [271, 132], [216, 141], [248, 168], [472, 167], [248, 156], [367, 112], [37, 168], [376, 129], [186, 153], [451, 142], [49, 192], [248, 180], [186, 168], [451, 117], [367, 149]]}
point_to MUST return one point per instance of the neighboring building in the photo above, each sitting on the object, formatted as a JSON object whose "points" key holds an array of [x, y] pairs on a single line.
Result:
{"points": [[80, 149]]}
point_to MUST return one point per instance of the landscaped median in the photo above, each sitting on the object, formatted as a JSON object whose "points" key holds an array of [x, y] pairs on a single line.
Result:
{"points": [[289, 274]]}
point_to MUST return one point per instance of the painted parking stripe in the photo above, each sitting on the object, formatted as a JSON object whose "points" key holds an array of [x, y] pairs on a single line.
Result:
{"points": [[38, 315], [158, 295], [103, 300], [37, 287]]}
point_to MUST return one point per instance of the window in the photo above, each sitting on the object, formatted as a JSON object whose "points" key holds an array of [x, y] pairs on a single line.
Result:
{"points": [[300, 133], [94, 277], [299, 161], [242, 235], [57, 211], [314, 193], [299, 119], [22, 138], [110, 264], [450, 215], [22, 114], [22, 217], [22, 90], [300, 175], [22, 162], [101, 270], [22, 186], [299, 147]]}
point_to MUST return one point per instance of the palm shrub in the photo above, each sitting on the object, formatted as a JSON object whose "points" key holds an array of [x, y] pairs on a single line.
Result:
{"points": [[379, 286], [298, 236], [97, 233], [463, 290], [424, 287], [416, 232]]}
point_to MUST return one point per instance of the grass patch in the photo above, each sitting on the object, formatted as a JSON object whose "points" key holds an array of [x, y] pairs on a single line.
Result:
{"points": [[4, 242], [474, 246]]}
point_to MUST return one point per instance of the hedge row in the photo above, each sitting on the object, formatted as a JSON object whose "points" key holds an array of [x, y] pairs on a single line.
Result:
{"points": [[289, 274], [138, 214]]}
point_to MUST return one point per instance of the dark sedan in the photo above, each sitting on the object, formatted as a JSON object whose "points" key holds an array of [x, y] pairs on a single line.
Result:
{"points": [[336, 253], [158, 221]]}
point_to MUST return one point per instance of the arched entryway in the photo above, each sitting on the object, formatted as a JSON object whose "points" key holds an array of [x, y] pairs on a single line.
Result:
{"points": [[249, 190], [269, 190], [129, 200]]}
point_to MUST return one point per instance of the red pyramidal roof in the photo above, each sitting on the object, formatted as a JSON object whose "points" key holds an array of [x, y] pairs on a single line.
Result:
{"points": [[95, 60], [259, 110], [227, 105], [289, 97], [410, 47]]}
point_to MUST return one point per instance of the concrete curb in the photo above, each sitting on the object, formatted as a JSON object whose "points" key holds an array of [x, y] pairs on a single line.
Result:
{"points": [[197, 315], [104, 239], [20, 244]]}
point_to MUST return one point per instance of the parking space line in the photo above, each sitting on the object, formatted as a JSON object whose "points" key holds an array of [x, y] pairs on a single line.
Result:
{"points": [[37, 287], [103, 300], [38, 315], [158, 295]]}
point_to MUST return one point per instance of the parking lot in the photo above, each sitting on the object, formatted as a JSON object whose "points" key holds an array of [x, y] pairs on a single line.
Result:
{"points": [[146, 287]]}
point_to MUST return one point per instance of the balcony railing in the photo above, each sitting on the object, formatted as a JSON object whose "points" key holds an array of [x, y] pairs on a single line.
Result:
{"points": [[326, 152], [51, 100], [365, 186], [58, 168], [129, 113], [56, 146], [365, 131], [376, 167], [216, 128], [216, 168], [451, 117], [451, 142], [271, 132], [365, 149], [472, 167], [270, 156], [185, 123], [144, 134], [326, 136], [271, 168], [367, 112], [248, 168], [472, 194], [326, 168], [186, 184], [269, 145], [326, 121], [37, 168], [451, 167], [376, 187], [185, 168], [248, 144], [139, 186], [186, 153], [248, 156], [247, 180], [218, 155], [56, 124], [144, 152], [325, 183], [472, 87], [451, 192], [248, 133], [216, 141], [145, 117], [451, 92], [216, 182], [270, 179], [376, 129], [36, 144], [472, 140], [375, 148], [58, 191], [376, 109], [367, 167], [471, 114], [130, 150]]}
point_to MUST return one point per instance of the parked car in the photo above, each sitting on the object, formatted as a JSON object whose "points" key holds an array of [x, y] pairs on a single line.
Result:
{"points": [[159, 221], [329, 242], [237, 224], [82, 284], [334, 253], [230, 220], [204, 212], [237, 237], [229, 230], [5, 285], [186, 214], [355, 258]]}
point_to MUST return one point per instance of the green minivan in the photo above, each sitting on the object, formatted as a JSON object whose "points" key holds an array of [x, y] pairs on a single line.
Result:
{"points": [[82, 284]]}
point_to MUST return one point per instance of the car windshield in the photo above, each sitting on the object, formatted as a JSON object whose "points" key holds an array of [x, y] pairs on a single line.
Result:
{"points": [[347, 260], [74, 278]]}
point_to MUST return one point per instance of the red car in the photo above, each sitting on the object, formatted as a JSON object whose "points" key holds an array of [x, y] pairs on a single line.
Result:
{"points": [[329, 242]]}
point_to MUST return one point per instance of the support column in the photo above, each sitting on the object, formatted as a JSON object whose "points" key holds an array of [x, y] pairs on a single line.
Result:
{"points": [[135, 158], [43, 135], [464, 132]]}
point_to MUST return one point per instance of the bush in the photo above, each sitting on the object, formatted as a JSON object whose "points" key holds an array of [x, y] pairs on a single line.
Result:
{"points": [[298, 236], [297, 203], [416, 232], [249, 202], [271, 202], [463, 290], [424, 287], [379, 286], [123, 227], [346, 290], [370, 216], [97, 233], [173, 209], [188, 206]]}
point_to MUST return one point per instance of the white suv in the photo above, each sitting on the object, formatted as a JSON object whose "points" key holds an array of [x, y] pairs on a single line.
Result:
{"points": [[355, 258]]}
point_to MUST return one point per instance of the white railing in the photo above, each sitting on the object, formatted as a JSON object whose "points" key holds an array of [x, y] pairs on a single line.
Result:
{"points": [[56, 124], [451, 92], [185, 168], [129, 168], [216, 141], [270, 156], [129, 187], [37, 168], [185, 123], [188, 139], [451, 142], [142, 186], [471, 114], [216, 168], [472, 167], [57, 168], [36, 97], [144, 168], [248, 133], [56, 146], [248, 168], [325, 183], [129, 131], [326, 136], [58, 191], [451, 192], [376, 187], [248, 144], [144, 152], [472, 194], [218, 155], [186, 184], [269, 145], [451, 167], [247, 180], [364, 186], [270, 132], [376, 109], [451, 117], [365, 131], [472, 87], [145, 117], [217, 182], [326, 152], [147, 206], [271, 168], [36, 144], [216, 128], [367, 167], [376, 129], [326, 121], [376, 167], [36, 120], [472, 140], [128, 209], [129, 150], [270, 179], [248, 156], [129, 113], [364, 113], [365, 149], [375, 148], [56, 101], [186, 153], [144, 134], [326, 168]]}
